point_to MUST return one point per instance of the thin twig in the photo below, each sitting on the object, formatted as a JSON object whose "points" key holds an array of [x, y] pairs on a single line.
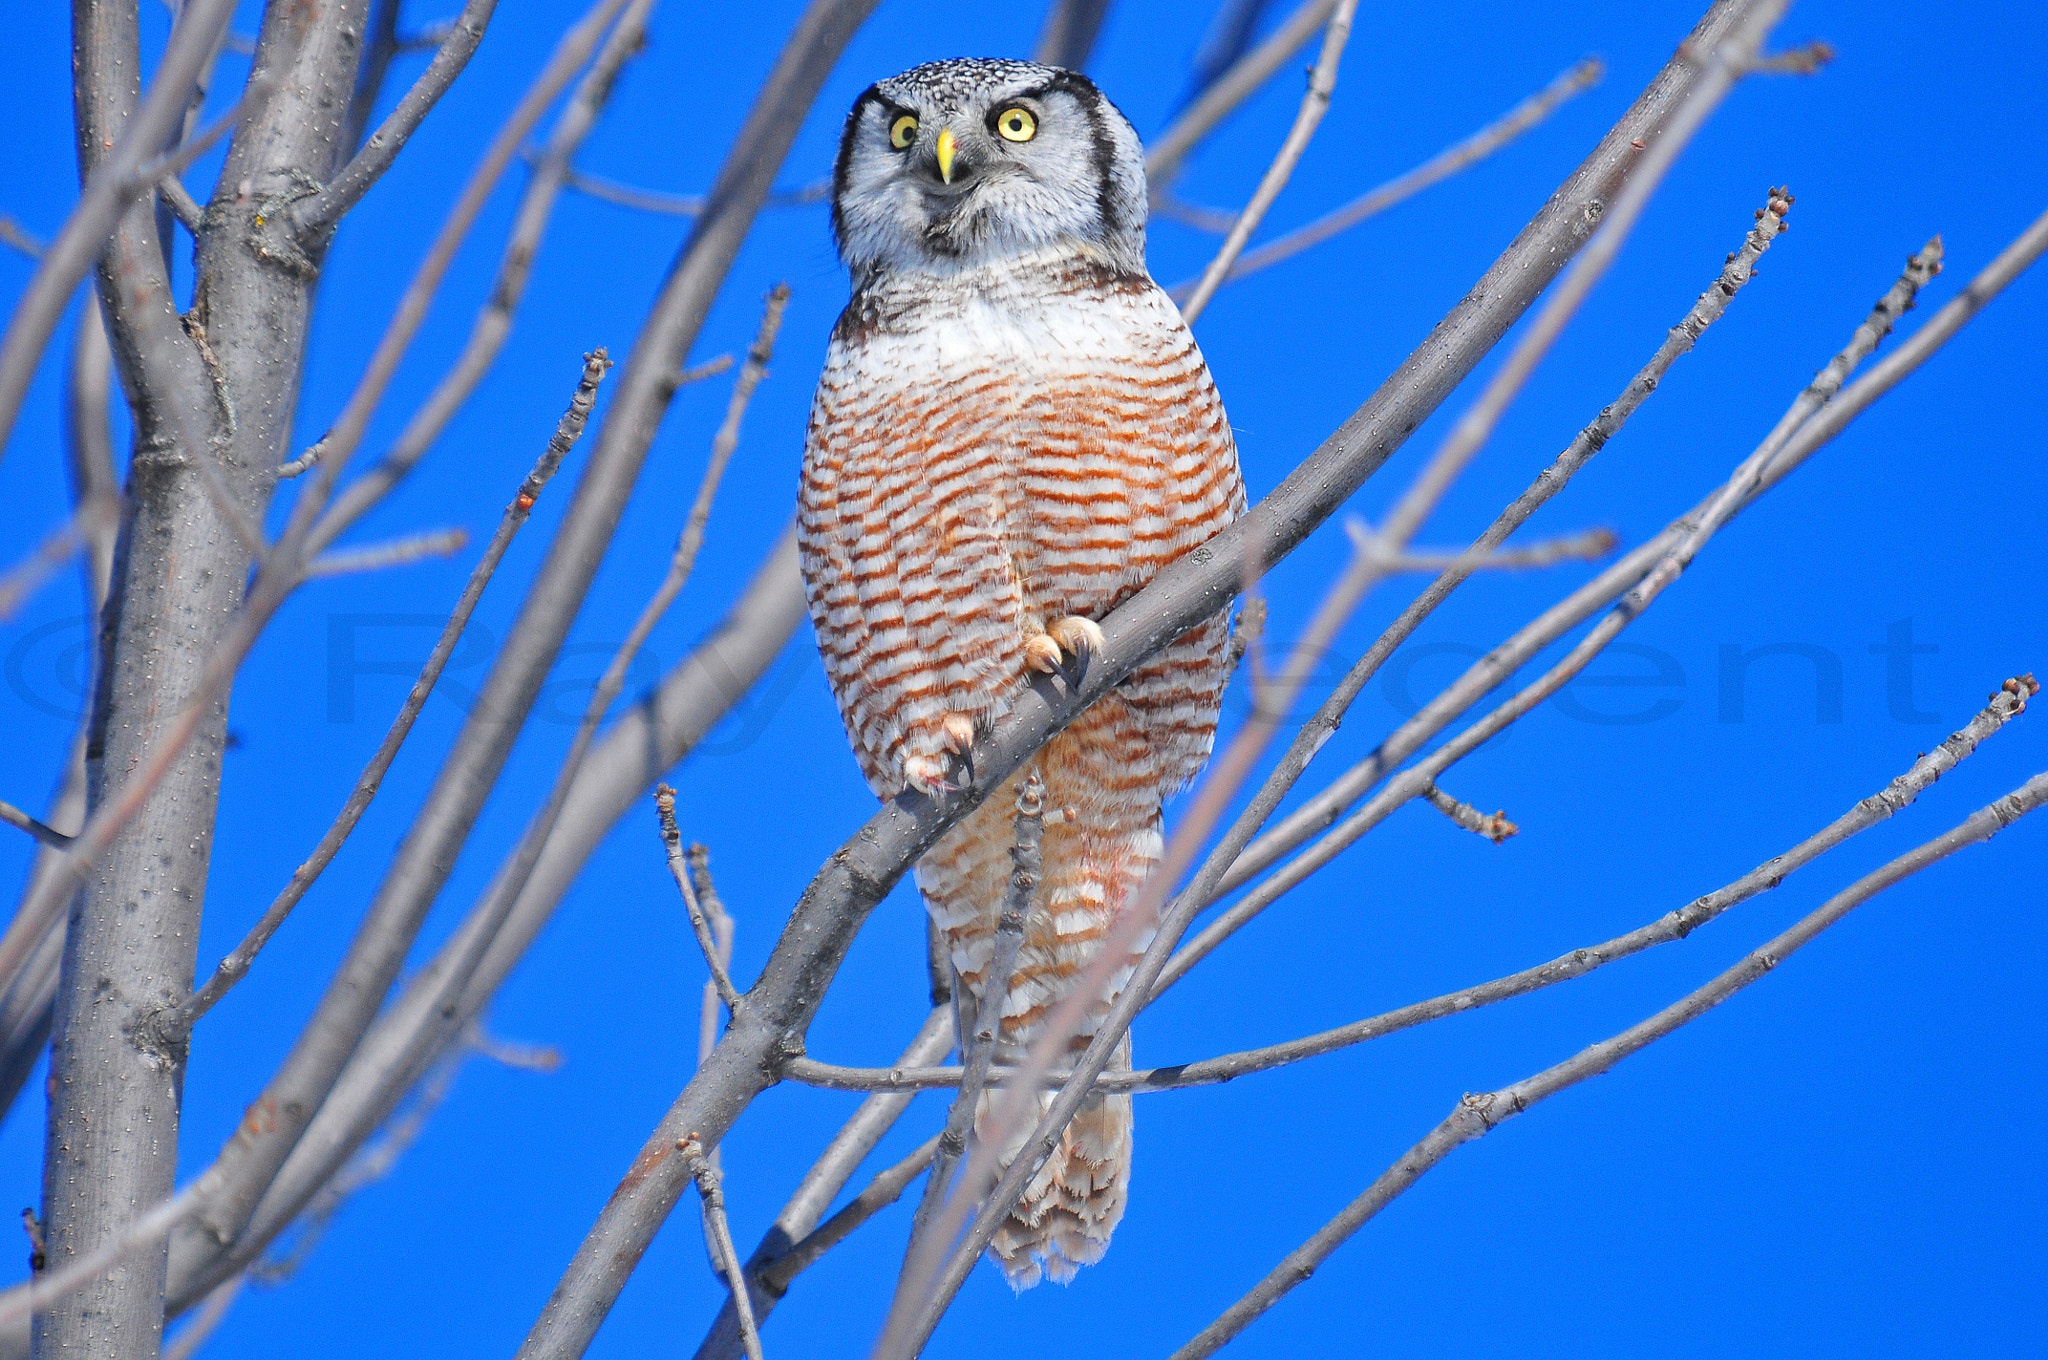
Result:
{"points": [[1495, 827], [710, 368], [672, 837], [515, 267], [1587, 546], [24, 578], [1446, 163], [398, 552], [1244, 78], [48, 835], [1322, 80], [189, 212], [721, 939], [206, 1321], [1478, 1115], [1026, 868], [236, 965], [53, 1284], [716, 1228], [1231, 859], [21, 238], [679, 205], [323, 210], [1799, 61], [884, 1190]]}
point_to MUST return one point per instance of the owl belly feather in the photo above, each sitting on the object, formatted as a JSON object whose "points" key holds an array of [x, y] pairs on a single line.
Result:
{"points": [[988, 455]]}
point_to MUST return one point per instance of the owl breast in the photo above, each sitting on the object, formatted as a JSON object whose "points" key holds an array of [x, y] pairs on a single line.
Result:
{"points": [[990, 452]]}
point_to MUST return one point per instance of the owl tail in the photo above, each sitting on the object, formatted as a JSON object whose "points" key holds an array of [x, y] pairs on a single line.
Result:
{"points": [[1068, 1210], [1101, 837]]}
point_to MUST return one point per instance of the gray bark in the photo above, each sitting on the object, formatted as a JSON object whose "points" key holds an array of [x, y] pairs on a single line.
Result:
{"points": [[219, 387]]}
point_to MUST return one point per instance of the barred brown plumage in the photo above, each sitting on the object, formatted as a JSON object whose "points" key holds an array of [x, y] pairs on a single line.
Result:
{"points": [[1014, 432]]}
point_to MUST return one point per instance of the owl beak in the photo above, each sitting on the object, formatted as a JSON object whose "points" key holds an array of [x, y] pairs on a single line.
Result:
{"points": [[947, 146]]}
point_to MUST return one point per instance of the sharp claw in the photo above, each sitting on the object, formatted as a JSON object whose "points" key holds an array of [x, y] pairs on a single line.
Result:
{"points": [[958, 733], [1082, 637], [1042, 653]]}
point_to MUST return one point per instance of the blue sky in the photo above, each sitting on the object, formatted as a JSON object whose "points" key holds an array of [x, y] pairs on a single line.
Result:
{"points": [[1843, 1161]]}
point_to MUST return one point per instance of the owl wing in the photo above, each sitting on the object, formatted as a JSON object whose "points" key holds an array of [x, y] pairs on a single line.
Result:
{"points": [[912, 588]]}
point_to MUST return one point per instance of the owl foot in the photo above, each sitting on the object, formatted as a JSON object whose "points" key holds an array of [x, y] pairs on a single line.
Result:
{"points": [[927, 774], [1076, 635], [957, 731]]}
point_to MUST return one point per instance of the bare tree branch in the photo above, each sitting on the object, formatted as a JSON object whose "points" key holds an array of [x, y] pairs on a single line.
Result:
{"points": [[341, 439], [720, 1236], [21, 238], [110, 189], [672, 837], [798, 1223], [52, 1286], [1163, 158], [515, 266], [2007, 703], [1628, 574], [1026, 869], [49, 836], [1071, 28], [1478, 1115], [1495, 826], [324, 209], [236, 965], [206, 1321], [397, 552], [881, 1192], [1321, 81], [1438, 168], [679, 205]]}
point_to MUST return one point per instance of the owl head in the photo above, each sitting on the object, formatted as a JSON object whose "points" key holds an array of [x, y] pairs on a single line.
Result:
{"points": [[962, 163]]}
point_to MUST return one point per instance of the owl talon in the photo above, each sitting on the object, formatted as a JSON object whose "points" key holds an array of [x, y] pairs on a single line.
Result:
{"points": [[1042, 653], [1082, 637], [957, 731]]}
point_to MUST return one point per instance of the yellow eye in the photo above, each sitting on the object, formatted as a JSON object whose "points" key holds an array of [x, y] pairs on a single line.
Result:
{"points": [[1016, 125], [903, 132]]}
